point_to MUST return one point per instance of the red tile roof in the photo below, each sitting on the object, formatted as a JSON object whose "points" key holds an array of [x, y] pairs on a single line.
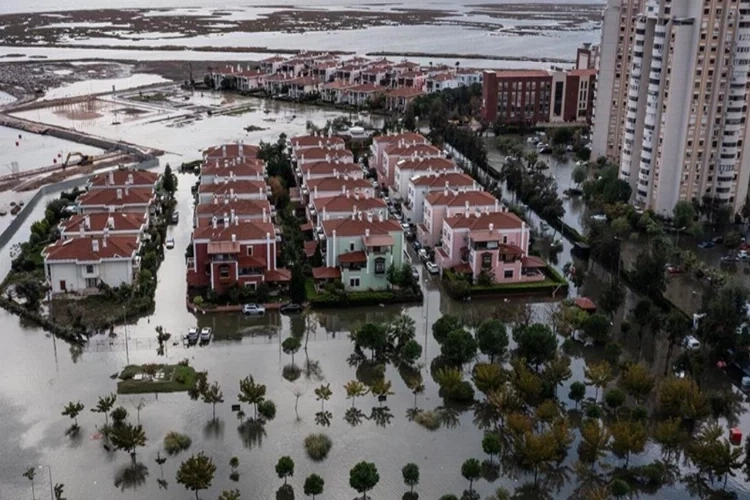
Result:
{"points": [[116, 197], [324, 273], [231, 151], [251, 166], [453, 199], [533, 262], [379, 240], [356, 227], [238, 186], [405, 92], [240, 207], [411, 149], [529, 73], [435, 164], [337, 184], [499, 220], [324, 154], [338, 84], [344, 203], [368, 88], [585, 303], [450, 179], [243, 231], [330, 167], [310, 247], [352, 257], [121, 221], [120, 177], [82, 249], [314, 140], [407, 136], [251, 261], [278, 275]]}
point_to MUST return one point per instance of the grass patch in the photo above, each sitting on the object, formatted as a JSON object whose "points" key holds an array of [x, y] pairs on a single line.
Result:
{"points": [[318, 446], [553, 280], [365, 298], [174, 442], [428, 419], [138, 379]]}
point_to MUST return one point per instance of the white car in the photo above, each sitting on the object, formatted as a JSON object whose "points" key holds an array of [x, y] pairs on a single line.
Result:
{"points": [[422, 254], [170, 243], [192, 334], [691, 343], [599, 218], [253, 309], [206, 334], [432, 268]]}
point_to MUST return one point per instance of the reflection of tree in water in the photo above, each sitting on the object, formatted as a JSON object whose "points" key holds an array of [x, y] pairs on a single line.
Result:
{"points": [[486, 415], [381, 415], [490, 471], [76, 351], [354, 416], [448, 416], [291, 372], [369, 372], [131, 476], [213, 429], [252, 432], [412, 413], [313, 371], [286, 492], [324, 418]]}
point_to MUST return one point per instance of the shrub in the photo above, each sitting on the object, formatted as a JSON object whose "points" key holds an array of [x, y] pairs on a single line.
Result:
{"points": [[460, 393], [318, 446], [174, 442], [267, 409], [594, 411], [428, 419]]}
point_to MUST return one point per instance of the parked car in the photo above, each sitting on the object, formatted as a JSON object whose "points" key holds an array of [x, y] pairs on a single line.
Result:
{"points": [[291, 308], [192, 334], [706, 244], [416, 245], [175, 217], [432, 268], [415, 273], [599, 218], [405, 227], [253, 309], [206, 334], [422, 254], [672, 269], [170, 243], [729, 258], [691, 343], [743, 254]]}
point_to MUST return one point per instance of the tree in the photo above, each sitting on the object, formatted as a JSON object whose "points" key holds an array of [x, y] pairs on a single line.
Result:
{"points": [[59, 491], [392, 274], [31, 291], [230, 495], [614, 398], [598, 375], [363, 477], [402, 329], [488, 377], [556, 371], [597, 327], [128, 437], [196, 473], [212, 395], [297, 288], [619, 488], [410, 119], [234, 462], [580, 172], [628, 437], [577, 392], [105, 405], [411, 352], [72, 410], [30, 474], [323, 394], [285, 468], [637, 381], [471, 470], [443, 326], [683, 214], [459, 347], [355, 389], [536, 343], [732, 240], [491, 444], [169, 181], [290, 346], [613, 296], [492, 339], [118, 415], [594, 442], [669, 434], [373, 336], [314, 485], [410, 473], [682, 398], [251, 392]]}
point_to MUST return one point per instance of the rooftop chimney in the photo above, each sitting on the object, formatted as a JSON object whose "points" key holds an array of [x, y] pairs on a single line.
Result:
{"points": [[367, 232], [110, 223], [82, 230], [95, 245], [111, 178], [104, 239], [492, 226], [130, 179], [119, 194], [127, 190], [87, 221], [234, 238], [214, 222]]}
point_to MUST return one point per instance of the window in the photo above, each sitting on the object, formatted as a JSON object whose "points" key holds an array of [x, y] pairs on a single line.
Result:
{"points": [[251, 285], [224, 271], [353, 282], [89, 269], [91, 283], [351, 246], [249, 251], [486, 260], [508, 274], [380, 265]]}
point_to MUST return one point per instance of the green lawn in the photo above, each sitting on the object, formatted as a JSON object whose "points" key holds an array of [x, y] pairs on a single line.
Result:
{"points": [[177, 378]]}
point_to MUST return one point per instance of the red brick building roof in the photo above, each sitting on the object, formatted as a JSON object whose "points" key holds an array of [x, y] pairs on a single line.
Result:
{"points": [[231, 151], [453, 199], [238, 186], [92, 249], [450, 179], [120, 177], [316, 141], [499, 220], [121, 221], [243, 231], [240, 207], [356, 227], [344, 203], [116, 197]]}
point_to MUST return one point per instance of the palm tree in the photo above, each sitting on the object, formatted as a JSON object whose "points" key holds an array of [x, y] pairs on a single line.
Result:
{"points": [[30, 474], [128, 438], [416, 384], [105, 405], [598, 375], [323, 394], [355, 389], [252, 393]]}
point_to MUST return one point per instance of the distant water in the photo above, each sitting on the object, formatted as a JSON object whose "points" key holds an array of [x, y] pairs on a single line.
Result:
{"points": [[13, 6]]}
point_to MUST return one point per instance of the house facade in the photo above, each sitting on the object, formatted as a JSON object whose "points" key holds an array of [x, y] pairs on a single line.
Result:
{"points": [[447, 203], [226, 210], [422, 185], [96, 224], [234, 190], [121, 178], [362, 250], [247, 169], [344, 206], [496, 244], [135, 200], [80, 264], [332, 186], [406, 169]]}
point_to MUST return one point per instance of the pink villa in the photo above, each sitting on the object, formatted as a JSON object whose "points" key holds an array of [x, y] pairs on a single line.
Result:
{"points": [[496, 242], [441, 205], [380, 143]]}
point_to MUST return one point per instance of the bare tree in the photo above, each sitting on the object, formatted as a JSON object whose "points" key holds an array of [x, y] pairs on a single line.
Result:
{"points": [[298, 391]]}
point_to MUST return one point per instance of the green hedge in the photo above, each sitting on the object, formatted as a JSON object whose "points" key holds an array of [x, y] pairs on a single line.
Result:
{"points": [[553, 281], [178, 378], [367, 298]]}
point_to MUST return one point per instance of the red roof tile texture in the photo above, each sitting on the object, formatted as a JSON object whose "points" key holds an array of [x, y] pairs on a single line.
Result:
{"points": [[91, 249]]}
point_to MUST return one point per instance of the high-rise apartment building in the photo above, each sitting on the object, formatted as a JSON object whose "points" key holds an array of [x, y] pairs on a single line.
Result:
{"points": [[685, 109], [618, 29]]}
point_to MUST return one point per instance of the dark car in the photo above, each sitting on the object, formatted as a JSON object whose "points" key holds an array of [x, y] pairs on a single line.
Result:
{"points": [[290, 308]]}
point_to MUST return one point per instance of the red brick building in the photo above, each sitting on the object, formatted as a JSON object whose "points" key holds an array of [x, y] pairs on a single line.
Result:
{"points": [[517, 97]]}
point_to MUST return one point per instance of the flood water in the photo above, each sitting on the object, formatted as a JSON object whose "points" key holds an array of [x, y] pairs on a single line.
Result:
{"points": [[40, 375]]}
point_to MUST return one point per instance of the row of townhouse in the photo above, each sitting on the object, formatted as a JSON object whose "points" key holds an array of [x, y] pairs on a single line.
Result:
{"points": [[356, 81], [350, 225], [102, 241], [234, 239]]}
